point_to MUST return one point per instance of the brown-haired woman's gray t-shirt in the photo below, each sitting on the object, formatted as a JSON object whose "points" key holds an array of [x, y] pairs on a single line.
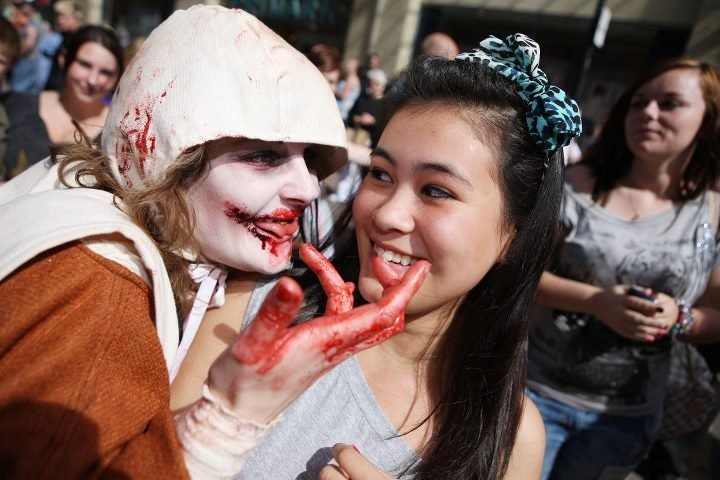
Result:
{"points": [[575, 358]]}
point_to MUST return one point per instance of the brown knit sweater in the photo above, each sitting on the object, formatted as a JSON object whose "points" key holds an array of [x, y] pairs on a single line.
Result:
{"points": [[84, 390]]}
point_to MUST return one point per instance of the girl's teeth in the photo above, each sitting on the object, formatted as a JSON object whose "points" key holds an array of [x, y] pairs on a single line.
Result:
{"points": [[389, 256]]}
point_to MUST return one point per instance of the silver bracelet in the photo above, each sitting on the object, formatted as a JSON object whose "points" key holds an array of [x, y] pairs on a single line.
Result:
{"points": [[684, 321]]}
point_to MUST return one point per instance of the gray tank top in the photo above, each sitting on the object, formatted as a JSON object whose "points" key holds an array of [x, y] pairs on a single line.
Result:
{"points": [[575, 358], [338, 408]]}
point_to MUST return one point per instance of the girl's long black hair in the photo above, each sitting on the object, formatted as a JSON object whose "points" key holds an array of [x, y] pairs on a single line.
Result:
{"points": [[478, 373]]}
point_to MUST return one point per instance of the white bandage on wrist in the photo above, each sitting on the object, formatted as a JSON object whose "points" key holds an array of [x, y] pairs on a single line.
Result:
{"points": [[214, 439]]}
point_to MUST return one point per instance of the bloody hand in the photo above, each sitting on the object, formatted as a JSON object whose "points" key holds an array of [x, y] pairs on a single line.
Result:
{"points": [[339, 292], [270, 363]]}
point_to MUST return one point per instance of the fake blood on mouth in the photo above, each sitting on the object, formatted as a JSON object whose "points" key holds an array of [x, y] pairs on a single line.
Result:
{"points": [[245, 218]]}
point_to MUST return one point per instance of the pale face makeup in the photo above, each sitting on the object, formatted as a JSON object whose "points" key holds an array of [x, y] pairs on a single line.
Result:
{"points": [[248, 203], [431, 194], [665, 115], [93, 74]]}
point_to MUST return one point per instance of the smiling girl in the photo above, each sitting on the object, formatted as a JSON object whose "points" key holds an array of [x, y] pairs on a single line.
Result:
{"points": [[467, 176], [93, 64]]}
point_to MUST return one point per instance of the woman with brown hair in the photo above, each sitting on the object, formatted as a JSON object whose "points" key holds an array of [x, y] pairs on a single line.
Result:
{"points": [[93, 63], [109, 253], [640, 269]]}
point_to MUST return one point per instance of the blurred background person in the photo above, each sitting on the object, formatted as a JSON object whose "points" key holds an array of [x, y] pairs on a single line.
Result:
{"points": [[366, 112], [93, 62], [23, 125], [638, 213], [372, 62], [39, 46], [68, 18], [327, 60], [32, 67], [348, 88], [439, 44], [9, 51], [363, 132]]}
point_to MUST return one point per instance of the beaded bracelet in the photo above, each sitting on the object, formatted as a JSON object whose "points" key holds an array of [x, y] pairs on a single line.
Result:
{"points": [[684, 321]]}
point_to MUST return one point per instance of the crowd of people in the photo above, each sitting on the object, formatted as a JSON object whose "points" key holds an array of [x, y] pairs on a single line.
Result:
{"points": [[180, 302]]}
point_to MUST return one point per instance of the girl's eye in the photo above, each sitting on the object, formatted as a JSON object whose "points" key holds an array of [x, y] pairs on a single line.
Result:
{"points": [[638, 104], [263, 157], [380, 174], [436, 192], [669, 104]]}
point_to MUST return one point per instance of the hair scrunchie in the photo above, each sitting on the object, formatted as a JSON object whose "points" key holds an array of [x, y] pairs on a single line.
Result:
{"points": [[553, 118]]}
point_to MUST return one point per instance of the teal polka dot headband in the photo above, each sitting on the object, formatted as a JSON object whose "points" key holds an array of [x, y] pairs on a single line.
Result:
{"points": [[552, 118]]}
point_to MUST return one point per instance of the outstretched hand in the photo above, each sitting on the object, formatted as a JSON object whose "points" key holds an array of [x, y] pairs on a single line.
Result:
{"points": [[271, 363]]}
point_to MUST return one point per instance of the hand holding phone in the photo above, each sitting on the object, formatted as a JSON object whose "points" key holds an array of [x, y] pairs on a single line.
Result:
{"points": [[636, 292]]}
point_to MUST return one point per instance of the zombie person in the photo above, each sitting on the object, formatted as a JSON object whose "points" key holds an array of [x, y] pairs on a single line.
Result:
{"points": [[210, 153]]}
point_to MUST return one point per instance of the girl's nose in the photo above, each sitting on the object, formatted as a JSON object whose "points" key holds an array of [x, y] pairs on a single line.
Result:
{"points": [[395, 213], [651, 110]]}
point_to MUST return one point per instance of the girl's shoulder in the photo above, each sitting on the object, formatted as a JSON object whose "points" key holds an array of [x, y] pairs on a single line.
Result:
{"points": [[49, 99], [528, 452]]}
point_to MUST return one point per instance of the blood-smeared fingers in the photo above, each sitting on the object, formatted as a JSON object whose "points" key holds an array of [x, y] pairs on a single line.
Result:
{"points": [[277, 312], [384, 273], [321, 266], [339, 292], [340, 299], [335, 337], [398, 296], [339, 335], [396, 327]]}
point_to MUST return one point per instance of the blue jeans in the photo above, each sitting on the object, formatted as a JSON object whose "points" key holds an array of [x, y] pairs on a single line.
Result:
{"points": [[584, 445]]}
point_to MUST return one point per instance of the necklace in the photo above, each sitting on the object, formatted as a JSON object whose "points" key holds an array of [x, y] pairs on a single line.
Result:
{"points": [[635, 214]]}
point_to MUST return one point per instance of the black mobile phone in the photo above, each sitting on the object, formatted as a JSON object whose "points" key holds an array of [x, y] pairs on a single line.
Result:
{"points": [[636, 292]]}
